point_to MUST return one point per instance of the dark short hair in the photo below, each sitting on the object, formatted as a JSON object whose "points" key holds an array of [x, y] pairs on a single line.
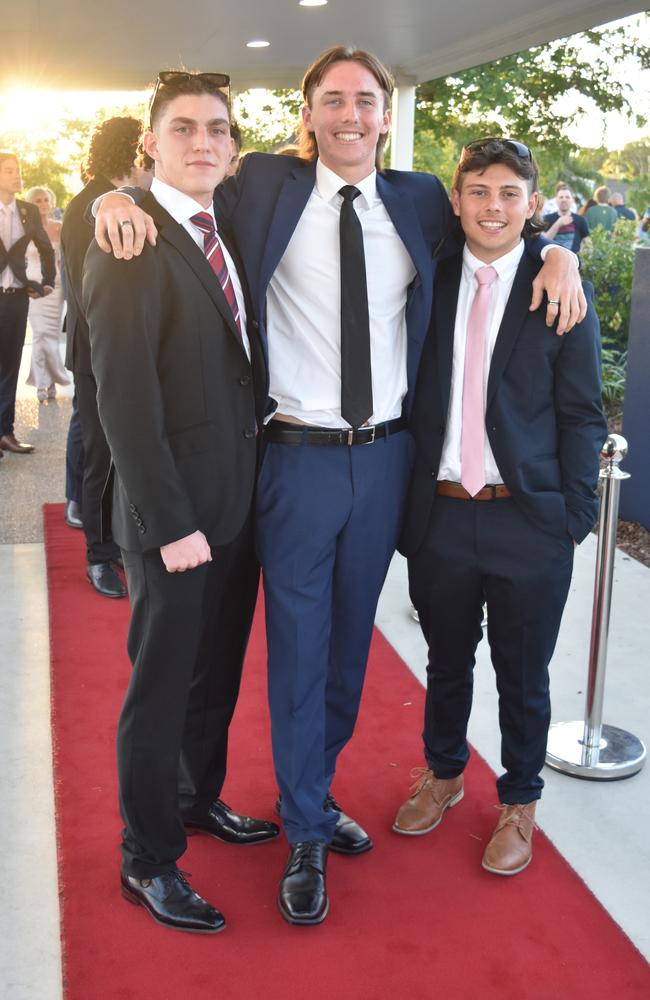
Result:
{"points": [[562, 186], [189, 84], [8, 155], [477, 157], [314, 76], [235, 134], [113, 148]]}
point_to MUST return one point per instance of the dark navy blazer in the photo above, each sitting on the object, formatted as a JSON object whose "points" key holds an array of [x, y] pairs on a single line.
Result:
{"points": [[544, 415], [263, 205]]}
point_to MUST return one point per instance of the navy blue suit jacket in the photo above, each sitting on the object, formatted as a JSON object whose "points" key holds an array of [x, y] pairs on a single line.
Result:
{"points": [[263, 203], [544, 416]]}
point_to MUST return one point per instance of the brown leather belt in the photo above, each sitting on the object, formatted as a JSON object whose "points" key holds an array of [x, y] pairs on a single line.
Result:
{"points": [[445, 488]]}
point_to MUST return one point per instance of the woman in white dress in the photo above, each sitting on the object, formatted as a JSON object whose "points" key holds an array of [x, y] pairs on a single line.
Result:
{"points": [[46, 314]]}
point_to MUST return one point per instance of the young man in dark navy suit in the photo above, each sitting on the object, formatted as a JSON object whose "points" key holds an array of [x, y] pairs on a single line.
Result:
{"points": [[332, 486], [508, 424]]}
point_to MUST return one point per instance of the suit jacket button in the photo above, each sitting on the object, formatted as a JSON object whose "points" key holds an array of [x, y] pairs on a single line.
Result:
{"points": [[255, 324], [245, 380], [249, 432]]}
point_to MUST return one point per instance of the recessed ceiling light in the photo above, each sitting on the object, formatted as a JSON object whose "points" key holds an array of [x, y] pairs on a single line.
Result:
{"points": [[259, 44], [312, 3]]}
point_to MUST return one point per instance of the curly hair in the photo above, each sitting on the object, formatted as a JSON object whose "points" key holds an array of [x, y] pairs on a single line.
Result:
{"points": [[113, 148]]}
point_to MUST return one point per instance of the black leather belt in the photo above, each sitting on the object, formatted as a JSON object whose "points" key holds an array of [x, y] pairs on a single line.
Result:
{"points": [[11, 291], [282, 432]]}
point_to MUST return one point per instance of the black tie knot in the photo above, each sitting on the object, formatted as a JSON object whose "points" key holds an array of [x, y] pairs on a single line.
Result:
{"points": [[349, 192]]}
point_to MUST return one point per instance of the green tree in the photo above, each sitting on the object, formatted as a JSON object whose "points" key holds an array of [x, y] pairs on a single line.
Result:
{"points": [[518, 95]]}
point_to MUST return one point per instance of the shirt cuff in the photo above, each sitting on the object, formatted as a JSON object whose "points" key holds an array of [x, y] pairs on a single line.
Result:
{"points": [[545, 250], [97, 202]]}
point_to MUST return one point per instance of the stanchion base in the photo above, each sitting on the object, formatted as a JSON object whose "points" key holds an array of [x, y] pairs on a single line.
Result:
{"points": [[620, 754]]}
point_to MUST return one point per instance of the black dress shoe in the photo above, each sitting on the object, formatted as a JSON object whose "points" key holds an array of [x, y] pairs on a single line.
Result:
{"points": [[349, 837], [171, 901], [302, 898], [224, 824], [72, 514], [105, 580]]}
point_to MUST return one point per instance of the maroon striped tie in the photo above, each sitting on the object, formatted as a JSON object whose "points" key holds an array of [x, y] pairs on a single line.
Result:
{"points": [[217, 261]]}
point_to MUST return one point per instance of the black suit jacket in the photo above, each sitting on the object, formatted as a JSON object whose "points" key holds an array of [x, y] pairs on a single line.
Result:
{"points": [[76, 236], [15, 256], [544, 416], [177, 396]]}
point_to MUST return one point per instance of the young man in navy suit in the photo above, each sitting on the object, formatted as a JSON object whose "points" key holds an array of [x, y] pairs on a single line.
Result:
{"points": [[508, 425], [333, 479]]}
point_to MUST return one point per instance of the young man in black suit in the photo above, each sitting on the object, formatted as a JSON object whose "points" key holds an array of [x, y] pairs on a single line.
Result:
{"points": [[509, 425], [20, 225], [111, 161], [180, 392]]}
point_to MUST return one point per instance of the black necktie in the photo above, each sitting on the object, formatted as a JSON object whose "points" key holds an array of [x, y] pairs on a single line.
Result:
{"points": [[356, 379]]}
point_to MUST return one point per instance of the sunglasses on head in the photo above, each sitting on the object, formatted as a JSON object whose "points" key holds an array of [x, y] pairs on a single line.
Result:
{"points": [[516, 147], [169, 77]]}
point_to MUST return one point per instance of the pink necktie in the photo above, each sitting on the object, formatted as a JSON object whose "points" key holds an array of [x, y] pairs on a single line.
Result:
{"points": [[472, 449]]}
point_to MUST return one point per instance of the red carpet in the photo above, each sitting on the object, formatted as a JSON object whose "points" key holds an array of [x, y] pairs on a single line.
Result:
{"points": [[414, 918]]}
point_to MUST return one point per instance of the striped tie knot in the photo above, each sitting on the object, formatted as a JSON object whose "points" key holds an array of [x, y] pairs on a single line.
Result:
{"points": [[204, 222]]}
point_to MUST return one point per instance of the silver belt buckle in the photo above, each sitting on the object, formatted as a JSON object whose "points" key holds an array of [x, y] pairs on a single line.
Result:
{"points": [[350, 437], [372, 436]]}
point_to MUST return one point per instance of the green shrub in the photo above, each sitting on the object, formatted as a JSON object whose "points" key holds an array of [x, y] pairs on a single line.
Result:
{"points": [[607, 261]]}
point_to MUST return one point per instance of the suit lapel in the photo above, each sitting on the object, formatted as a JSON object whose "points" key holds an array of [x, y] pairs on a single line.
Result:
{"points": [[404, 217], [289, 206], [181, 240], [514, 316], [445, 300]]}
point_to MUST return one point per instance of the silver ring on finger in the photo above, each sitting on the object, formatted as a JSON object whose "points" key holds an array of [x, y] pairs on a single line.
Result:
{"points": [[125, 223], [553, 302]]}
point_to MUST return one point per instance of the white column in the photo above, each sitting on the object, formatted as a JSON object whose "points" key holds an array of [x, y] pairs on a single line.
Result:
{"points": [[401, 143]]}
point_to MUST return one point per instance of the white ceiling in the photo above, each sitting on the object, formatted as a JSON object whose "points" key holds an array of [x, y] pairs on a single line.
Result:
{"points": [[88, 44]]}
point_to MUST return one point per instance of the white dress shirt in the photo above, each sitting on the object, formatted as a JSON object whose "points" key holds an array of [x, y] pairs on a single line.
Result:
{"points": [[11, 229], [304, 308], [181, 208], [506, 268]]}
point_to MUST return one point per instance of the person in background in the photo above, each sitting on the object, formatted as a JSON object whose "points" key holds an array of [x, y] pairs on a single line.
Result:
{"points": [[46, 314], [20, 225], [617, 201], [565, 226], [112, 156], [584, 208], [643, 232], [508, 424], [602, 213]]}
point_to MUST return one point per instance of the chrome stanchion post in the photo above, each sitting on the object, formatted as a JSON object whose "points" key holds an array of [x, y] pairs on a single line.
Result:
{"points": [[589, 749]]}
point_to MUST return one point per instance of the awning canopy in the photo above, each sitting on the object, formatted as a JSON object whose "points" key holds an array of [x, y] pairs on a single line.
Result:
{"points": [[122, 45]]}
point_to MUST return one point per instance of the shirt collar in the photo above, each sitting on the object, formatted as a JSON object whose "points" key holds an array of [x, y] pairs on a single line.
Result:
{"points": [[328, 184], [9, 209], [504, 266], [179, 205]]}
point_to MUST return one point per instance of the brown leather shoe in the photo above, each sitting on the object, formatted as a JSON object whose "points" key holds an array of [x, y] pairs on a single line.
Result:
{"points": [[425, 809], [8, 442], [511, 848]]}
